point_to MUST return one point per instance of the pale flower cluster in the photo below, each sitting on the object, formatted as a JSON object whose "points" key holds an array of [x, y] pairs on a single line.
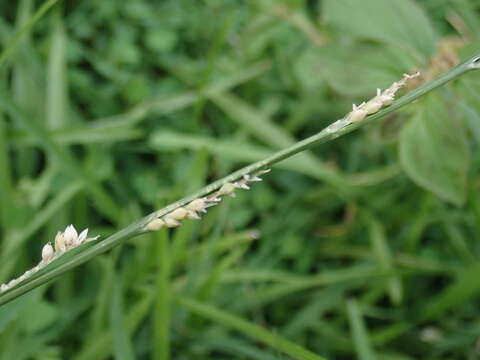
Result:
{"points": [[64, 241], [382, 99], [198, 206]]}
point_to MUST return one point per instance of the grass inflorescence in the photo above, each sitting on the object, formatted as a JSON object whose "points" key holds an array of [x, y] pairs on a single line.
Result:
{"points": [[363, 247]]}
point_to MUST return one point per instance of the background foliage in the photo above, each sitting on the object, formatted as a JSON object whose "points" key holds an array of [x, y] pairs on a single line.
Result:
{"points": [[365, 248]]}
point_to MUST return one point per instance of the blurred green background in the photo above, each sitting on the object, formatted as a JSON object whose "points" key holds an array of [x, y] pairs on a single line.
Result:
{"points": [[362, 248]]}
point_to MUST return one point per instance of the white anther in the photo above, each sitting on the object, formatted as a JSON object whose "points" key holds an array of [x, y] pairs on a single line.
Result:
{"points": [[411, 76]]}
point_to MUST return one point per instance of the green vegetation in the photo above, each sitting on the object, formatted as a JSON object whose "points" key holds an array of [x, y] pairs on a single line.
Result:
{"points": [[364, 247]]}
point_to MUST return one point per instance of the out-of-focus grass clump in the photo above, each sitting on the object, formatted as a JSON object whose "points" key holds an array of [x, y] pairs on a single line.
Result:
{"points": [[367, 247]]}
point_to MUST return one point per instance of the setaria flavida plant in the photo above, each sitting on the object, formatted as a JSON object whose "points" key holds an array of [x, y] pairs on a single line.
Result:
{"points": [[61, 257]]}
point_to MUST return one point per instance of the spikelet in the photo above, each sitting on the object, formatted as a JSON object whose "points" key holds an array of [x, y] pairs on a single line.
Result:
{"points": [[197, 205], [60, 243], [178, 214], [171, 223], [155, 225], [70, 236], [47, 252], [227, 189], [357, 114], [200, 205]]}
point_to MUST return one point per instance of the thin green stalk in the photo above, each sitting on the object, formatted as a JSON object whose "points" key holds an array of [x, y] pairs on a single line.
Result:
{"points": [[359, 331], [161, 350], [5, 176], [13, 43], [85, 253]]}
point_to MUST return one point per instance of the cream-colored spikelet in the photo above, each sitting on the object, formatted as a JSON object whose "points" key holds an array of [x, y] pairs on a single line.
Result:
{"points": [[155, 225], [382, 99], [198, 206], [48, 253], [63, 242]]}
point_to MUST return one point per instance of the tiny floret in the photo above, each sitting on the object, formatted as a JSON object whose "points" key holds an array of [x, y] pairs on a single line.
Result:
{"points": [[227, 189], [155, 225], [171, 223], [192, 215], [60, 243], [178, 214], [358, 113], [70, 236], [197, 205], [81, 238], [242, 185], [373, 106], [47, 253]]}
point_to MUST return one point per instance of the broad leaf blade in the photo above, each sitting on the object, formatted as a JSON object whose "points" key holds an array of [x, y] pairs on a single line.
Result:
{"points": [[400, 23], [434, 151]]}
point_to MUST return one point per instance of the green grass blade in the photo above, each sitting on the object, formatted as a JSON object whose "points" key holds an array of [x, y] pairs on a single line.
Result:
{"points": [[123, 348], [180, 101], [249, 329], [100, 347], [5, 177], [25, 29], [56, 114], [359, 332], [162, 316], [383, 254], [465, 287], [104, 202]]}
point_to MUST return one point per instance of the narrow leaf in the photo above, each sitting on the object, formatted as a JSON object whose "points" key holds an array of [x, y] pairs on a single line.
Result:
{"points": [[249, 329]]}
